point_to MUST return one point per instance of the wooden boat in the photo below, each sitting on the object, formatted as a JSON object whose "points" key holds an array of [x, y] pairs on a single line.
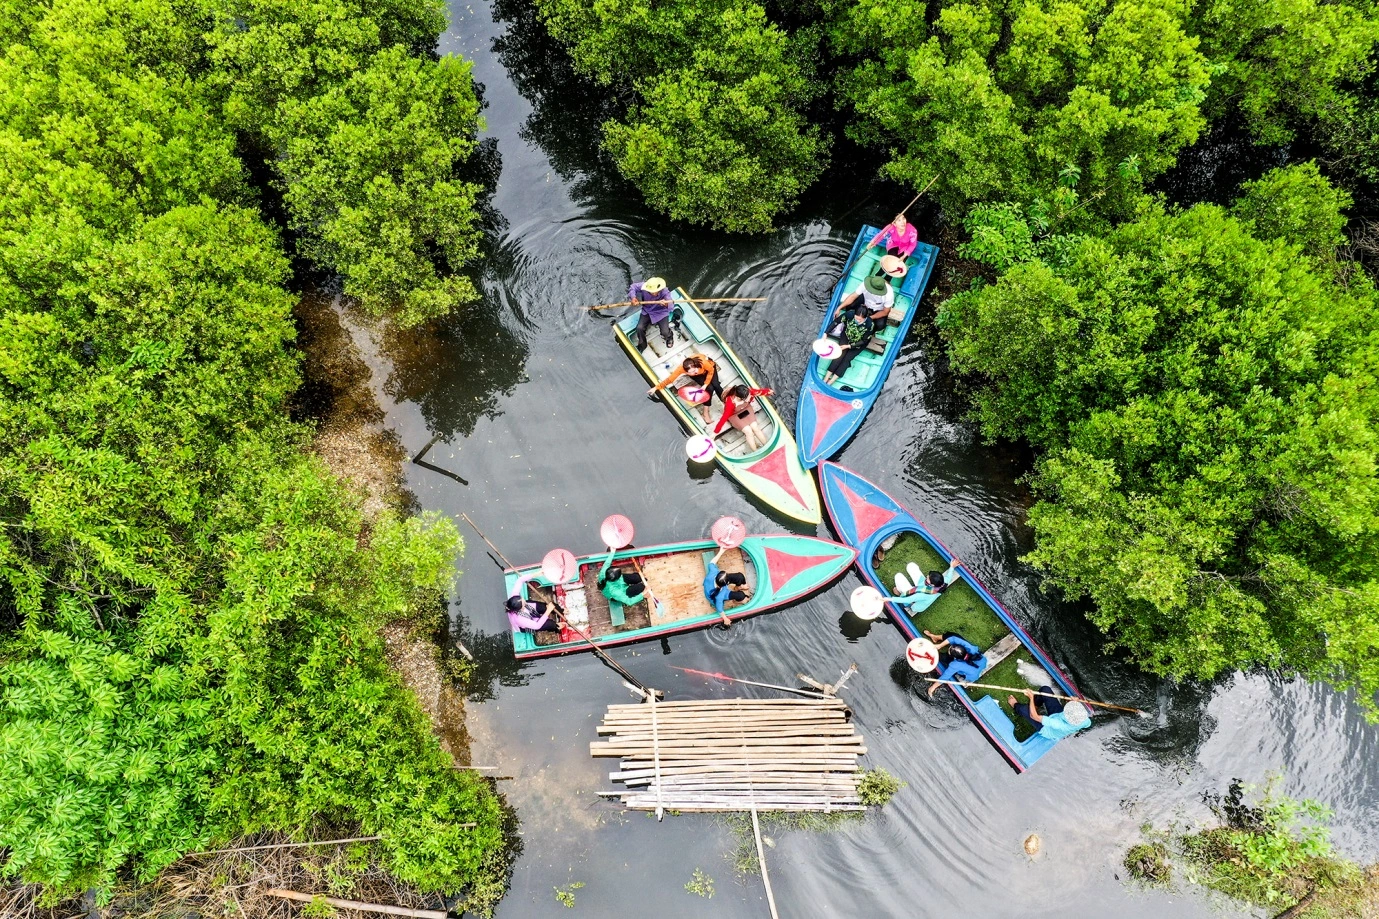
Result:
{"points": [[780, 569], [773, 472], [866, 518], [826, 416]]}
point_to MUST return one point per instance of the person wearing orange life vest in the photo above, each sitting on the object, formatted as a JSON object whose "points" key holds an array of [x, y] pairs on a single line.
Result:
{"points": [[704, 372], [740, 411]]}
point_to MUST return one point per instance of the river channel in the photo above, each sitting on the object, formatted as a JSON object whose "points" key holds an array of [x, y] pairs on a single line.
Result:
{"points": [[534, 406]]}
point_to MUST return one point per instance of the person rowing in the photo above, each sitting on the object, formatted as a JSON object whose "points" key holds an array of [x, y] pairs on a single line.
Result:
{"points": [[899, 237], [721, 587], [529, 615], [1050, 716], [704, 372], [656, 303], [740, 411]]}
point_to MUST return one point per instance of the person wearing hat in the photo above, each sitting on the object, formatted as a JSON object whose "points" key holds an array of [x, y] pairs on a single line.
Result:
{"points": [[899, 237], [1058, 720], [877, 295], [854, 330], [656, 304]]}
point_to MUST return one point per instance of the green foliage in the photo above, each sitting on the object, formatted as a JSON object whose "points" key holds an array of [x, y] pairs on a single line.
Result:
{"points": [[701, 885], [1299, 206], [877, 786], [1292, 65], [365, 135], [1204, 405], [716, 133], [1009, 102], [719, 141], [188, 643], [565, 896], [1148, 863]]}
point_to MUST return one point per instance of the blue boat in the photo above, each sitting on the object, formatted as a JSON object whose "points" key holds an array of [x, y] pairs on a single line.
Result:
{"points": [[826, 416], [884, 535]]}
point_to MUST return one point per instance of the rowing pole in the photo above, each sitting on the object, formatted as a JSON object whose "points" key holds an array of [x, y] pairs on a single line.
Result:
{"points": [[560, 610], [1048, 695], [609, 306], [723, 676]]}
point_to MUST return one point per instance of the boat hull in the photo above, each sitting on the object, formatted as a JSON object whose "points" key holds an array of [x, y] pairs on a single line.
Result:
{"points": [[864, 516], [772, 473], [826, 416], [785, 568]]}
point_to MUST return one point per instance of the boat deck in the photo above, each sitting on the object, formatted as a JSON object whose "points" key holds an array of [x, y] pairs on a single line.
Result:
{"points": [[677, 581], [731, 442]]}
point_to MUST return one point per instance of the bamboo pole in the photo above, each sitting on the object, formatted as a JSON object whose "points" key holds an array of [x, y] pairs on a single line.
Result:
{"points": [[354, 904], [609, 306], [1047, 695]]}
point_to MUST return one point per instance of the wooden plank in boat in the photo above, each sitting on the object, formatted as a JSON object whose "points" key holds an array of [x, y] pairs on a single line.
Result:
{"points": [[678, 582], [1001, 650]]}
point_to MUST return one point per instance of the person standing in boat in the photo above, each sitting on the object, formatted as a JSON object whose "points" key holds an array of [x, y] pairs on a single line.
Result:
{"points": [[740, 411], [656, 303], [529, 615], [720, 587], [624, 587], [1056, 720], [704, 372], [854, 330], [899, 237]]}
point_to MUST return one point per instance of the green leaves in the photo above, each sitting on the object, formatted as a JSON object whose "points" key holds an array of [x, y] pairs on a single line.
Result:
{"points": [[1203, 400]]}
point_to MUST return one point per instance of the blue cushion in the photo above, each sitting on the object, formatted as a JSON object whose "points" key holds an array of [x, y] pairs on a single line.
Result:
{"points": [[999, 722]]}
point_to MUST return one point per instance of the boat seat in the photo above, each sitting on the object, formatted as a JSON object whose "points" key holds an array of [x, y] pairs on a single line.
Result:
{"points": [[997, 719], [617, 614]]}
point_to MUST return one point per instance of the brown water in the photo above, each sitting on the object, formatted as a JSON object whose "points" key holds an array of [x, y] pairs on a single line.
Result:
{"points": [[542, 415]]}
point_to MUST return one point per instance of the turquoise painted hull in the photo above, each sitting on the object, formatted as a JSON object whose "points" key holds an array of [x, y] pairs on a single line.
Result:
{"points": [[786, 568], [773, 473]]}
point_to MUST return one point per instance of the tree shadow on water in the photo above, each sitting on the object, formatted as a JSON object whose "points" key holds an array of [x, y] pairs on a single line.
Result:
{"points": [[568, 110]]}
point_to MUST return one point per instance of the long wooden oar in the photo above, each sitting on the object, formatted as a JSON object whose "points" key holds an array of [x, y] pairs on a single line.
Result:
{"points": [[732, 679], [1047, 695], [609, 306], [920, 195], [560, 611]]}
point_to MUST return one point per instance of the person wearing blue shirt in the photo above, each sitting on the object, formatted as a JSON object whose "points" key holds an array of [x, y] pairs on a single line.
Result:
{"points": [[1057, 719], [936, 582], [722, 586]]}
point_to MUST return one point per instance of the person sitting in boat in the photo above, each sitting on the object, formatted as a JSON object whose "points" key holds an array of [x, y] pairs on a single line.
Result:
{"points": [[935, 582], [876, 294], [720, 587], [1050, 716], [953, 648], [854, 331], [704, 372], [656, 303], [624, 587], [529, 615], [899, 237], [740, 411]]}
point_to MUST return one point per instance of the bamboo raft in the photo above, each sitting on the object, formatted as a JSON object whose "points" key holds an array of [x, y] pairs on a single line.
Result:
{"points": [[733, 755]]}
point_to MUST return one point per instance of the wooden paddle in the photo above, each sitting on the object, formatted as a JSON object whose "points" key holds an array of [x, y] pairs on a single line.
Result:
{"points": [[1047, 695], [609, 306]]}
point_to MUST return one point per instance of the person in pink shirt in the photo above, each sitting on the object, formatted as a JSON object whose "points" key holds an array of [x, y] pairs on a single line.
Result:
{"points": [[899, 237], [532, 615]]}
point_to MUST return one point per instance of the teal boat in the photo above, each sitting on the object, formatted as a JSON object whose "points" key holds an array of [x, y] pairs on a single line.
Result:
{"points": [[779, 569], [772, 472]]}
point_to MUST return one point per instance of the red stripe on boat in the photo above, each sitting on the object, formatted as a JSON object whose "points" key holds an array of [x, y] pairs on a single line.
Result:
{"points": [[867, 517], [784, 566], [826, 411], [773, 468]]}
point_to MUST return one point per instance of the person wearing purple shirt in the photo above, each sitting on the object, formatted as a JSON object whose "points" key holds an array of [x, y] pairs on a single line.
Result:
{"points": [[532, 615], [899, 237], [656, 304]]}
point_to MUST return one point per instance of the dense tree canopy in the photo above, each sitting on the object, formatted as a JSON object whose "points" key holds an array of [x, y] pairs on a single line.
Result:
{"points": [[189, 602], [716, 134], [1201, 387]]}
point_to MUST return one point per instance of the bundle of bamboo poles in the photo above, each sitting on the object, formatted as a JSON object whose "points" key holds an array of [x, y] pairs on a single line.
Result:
{"points": [[733, 755]]}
